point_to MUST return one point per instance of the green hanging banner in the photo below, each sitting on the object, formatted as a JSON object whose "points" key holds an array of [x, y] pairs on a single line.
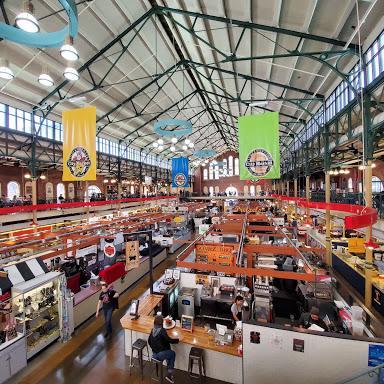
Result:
{"points": [[259, 149]]}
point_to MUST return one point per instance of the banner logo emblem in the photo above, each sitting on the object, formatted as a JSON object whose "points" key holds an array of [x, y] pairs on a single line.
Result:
{"points": [[259, 162], [180, 179], [79, 162]]}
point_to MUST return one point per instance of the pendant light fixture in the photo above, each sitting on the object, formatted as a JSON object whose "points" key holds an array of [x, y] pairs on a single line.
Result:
{"points": [[155, 144], [71, 74], [45, 79], [173, 148], [5, 70], [185, 147], [160, 141], [26, 19], [161, 147], [191, 145], [174, 140], [187, 141], [68, 51]]}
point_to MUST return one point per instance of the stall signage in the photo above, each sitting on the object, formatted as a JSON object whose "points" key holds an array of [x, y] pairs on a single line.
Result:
{"points": [[82, 252], [132, 255], [298, 345], [179, 219], [109, 249], [214, 250]]}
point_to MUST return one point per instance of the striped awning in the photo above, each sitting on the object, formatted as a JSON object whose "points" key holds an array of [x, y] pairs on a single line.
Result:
{"points": [[26, 270]]}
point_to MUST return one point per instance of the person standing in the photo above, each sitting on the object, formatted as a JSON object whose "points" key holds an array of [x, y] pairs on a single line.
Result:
{"points": [[107, 301], [237, 308], [294, 228], [160, 343]]}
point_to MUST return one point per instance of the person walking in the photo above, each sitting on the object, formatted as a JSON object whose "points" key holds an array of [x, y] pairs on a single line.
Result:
{"points": [[107, 301]]}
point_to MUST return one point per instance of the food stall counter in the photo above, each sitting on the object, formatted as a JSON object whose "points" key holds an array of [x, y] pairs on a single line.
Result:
{"points": [[222, 362]]}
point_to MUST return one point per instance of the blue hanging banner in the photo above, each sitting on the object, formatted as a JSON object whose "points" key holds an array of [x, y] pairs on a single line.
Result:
{"points": [[180, 172]]}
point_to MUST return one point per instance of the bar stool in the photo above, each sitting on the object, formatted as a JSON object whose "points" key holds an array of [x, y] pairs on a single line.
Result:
{"points": [[139, 346], [196, 355], [159, 367]]}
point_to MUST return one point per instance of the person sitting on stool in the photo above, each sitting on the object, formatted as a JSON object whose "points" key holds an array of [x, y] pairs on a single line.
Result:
{"points": [[159, 341], [236, 308]]}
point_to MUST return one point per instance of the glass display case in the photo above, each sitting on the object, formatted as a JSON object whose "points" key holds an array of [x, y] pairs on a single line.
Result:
{"points": [[38, 305], [11, 322]]}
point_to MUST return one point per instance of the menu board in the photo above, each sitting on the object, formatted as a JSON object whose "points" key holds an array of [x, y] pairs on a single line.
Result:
{"points": [[186, 323], [132, 255]]}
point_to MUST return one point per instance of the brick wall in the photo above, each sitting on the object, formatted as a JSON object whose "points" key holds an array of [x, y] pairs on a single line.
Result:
{"points": [[202, 186], [17, 174]]}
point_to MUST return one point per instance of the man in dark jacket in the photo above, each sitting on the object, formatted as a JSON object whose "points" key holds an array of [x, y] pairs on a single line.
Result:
{"points": [[160, 343]]}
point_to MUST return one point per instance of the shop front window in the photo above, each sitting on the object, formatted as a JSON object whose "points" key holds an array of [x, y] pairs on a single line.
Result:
{"points": [[237, 168], [60, 191], [377, 185]]}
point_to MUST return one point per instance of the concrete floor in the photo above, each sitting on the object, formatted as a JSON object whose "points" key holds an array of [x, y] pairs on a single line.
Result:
{"points": [[88, 358]]}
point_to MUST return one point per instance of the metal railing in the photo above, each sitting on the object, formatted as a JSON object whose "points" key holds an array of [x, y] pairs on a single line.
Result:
{"points": [[374, 375]]}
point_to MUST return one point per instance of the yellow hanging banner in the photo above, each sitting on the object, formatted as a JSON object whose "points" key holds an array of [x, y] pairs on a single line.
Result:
{"points": [[79, 144]]}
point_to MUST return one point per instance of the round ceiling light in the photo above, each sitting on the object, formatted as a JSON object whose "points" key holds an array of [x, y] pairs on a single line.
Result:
{"points": [[71, 74], [161, 147], [174, 140], [160, 141], [6, 71], [46, 80], [191, 145], [187, 141], [68, 51], [26, 20], [155, 144], [185, 147], [173, 148]]}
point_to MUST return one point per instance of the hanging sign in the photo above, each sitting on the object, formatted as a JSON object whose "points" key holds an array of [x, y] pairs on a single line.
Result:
{"points": [[79, 144], [259, 149], [132, 255], [180, 172], [109, 248]]}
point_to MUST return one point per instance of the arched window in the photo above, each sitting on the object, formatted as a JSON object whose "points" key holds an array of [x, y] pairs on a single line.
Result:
{"points": [[205, 174], [205, 190], [13, 189], [237, 169], [225, 167], [211, 191], [377, 185], [132, 189], [60, 191], [360, 187], [230, 166], [93, 190], [216, 170], [49, 192], [252, 190], [210, 173], [71, 191], [245, 189], [350, 185], [217, 189]]}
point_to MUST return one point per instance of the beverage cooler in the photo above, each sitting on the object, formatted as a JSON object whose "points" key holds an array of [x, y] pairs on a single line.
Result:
{"points": [[170, 294]]}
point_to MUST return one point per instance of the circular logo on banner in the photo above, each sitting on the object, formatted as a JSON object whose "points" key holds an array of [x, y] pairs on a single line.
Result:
{"points": [[180, 179], [109, 250], [79, 162], [259, 162]]}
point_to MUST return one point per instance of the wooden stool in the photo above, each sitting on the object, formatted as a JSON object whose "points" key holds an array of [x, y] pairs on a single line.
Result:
{"points": [[196, 355], [139, 346], [159, 366]]}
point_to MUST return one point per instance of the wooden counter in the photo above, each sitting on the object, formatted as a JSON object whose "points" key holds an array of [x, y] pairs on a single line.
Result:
{"points": [[148, 304], [197, 338]]}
